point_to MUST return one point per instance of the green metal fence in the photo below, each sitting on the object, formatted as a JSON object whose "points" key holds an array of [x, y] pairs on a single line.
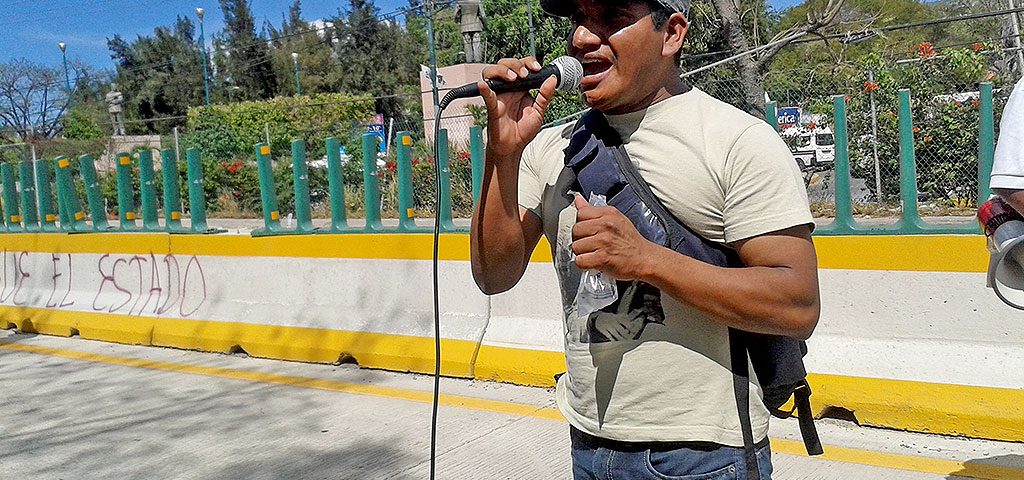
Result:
{"points": [[27, 201]]}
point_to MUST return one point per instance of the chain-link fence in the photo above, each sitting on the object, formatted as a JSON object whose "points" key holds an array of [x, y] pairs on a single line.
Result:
{"points": [[945, 106]]}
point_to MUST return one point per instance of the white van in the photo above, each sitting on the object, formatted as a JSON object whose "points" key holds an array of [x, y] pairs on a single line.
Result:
{"points": [[813, 149]]}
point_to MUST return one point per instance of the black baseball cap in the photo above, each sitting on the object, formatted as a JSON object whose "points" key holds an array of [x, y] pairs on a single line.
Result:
{"points": [[564, 8]]}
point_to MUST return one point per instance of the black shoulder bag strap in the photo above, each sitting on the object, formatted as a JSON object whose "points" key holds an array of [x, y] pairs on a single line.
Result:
{"points": [[738, 351], [741, 387]]}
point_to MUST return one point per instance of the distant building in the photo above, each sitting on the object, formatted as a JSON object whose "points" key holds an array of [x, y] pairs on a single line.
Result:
{"points": [[456, 118]]}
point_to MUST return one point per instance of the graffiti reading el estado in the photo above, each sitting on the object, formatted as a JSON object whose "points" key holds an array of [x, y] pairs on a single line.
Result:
{"points": [[126, 284]]}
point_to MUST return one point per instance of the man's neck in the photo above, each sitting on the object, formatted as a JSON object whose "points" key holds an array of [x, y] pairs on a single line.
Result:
{"points": [[668, 89]]}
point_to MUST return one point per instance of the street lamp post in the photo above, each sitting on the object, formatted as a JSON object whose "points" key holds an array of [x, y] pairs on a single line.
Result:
{"points": [[202, 47], [295, 62], [67, 78]]}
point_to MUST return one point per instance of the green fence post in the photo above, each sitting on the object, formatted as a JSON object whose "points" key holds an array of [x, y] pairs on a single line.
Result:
{"points": [[3, 212], [476, 157], [844, 207], [67, 198], [28, 196], [196, 192], [61, 164], [147, 187], [300, 175], [44, 194], [172, 192], [986, 142], [910, 219], [771, 114], [406, 210], [336, 185], [445, 182], [12, 215], [125, 195], [268, 196], [371, 186], [97, 211]]}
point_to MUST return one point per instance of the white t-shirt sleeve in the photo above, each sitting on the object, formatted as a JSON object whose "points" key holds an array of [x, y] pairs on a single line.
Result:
{"points": [[1008, 167], [764, 191]]}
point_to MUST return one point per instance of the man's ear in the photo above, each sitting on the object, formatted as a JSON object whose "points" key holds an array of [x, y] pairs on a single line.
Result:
{"points": [[676, 28]]}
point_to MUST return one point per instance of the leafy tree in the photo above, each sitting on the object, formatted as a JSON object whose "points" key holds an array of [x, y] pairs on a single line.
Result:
{"points": [[78, 126], [376, 57], [246, 54], [319, 71], [159, 75], [508, 32], [507, 36]]}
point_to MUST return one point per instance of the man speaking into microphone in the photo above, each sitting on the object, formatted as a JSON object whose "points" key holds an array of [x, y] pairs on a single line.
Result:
{"points": [[649, 390]]}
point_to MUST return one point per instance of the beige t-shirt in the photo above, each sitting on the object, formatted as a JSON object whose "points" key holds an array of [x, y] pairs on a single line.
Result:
{"points": [[661, 371]]}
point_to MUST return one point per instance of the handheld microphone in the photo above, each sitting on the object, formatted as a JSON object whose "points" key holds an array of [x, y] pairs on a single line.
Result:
{"points": [[567, 70]]}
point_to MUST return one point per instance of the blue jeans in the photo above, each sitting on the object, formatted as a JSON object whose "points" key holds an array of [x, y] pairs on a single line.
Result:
{"points": [[599, 459]]}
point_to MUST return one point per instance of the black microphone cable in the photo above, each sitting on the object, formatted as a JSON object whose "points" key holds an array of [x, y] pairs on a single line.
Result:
{"points": [[569, 72], [437, 304]]}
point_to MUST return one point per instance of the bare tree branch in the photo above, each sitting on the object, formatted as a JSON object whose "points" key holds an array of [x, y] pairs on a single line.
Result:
{"points": [[33, 99], [815, 22]]}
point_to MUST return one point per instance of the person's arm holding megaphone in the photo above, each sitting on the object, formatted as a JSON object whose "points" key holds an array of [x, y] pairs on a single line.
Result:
{"points": [[1008, 168]]}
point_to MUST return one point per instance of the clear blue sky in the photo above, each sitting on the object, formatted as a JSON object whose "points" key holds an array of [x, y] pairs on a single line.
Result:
{"points": [[32, 28]]}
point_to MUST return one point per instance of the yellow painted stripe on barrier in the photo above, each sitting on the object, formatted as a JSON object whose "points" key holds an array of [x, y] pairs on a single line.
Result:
{"points": [[535, 368], [376, 350], [833, 453], [979, 412], [384, 246], [930, 253], [924, 253], [126, 244]]}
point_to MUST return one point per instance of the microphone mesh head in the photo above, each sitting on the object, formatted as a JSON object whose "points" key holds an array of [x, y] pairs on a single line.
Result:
{"points": [[571, 73]]}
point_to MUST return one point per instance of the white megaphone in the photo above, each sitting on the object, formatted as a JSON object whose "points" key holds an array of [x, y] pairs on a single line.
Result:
{"points": [[1004, 228]]}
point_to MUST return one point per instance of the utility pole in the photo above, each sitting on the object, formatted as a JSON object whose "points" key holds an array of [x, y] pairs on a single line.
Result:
{"points": [[202, 46]]}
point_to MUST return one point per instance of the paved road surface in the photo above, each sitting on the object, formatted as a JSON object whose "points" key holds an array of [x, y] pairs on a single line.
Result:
{"points": [[78, 409]]}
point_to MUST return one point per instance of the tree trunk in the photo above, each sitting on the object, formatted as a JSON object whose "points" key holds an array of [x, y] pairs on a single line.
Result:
{"points": [[751, 89]]}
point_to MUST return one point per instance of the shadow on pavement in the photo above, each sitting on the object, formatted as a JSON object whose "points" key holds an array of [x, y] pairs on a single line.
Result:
{"points": [[995, 467], [358, 460]]}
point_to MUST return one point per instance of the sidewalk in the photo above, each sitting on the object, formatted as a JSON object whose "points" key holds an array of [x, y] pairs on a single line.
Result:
{"points": [[79, 409]]}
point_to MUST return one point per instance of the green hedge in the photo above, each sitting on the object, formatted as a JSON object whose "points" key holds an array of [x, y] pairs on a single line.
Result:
{"points": [[224, 132]]}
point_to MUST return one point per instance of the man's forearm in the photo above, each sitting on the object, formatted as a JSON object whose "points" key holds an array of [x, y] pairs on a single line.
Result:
{"points": [[777, 300], [497, 241]]}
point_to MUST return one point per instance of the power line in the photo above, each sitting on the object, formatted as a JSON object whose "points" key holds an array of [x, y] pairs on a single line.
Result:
{"points": [[869, 33], [861, 35]]}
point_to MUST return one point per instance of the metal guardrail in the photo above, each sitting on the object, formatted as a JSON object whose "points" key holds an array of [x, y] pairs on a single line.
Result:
{"points": [[34, 211], [910, 221]]}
